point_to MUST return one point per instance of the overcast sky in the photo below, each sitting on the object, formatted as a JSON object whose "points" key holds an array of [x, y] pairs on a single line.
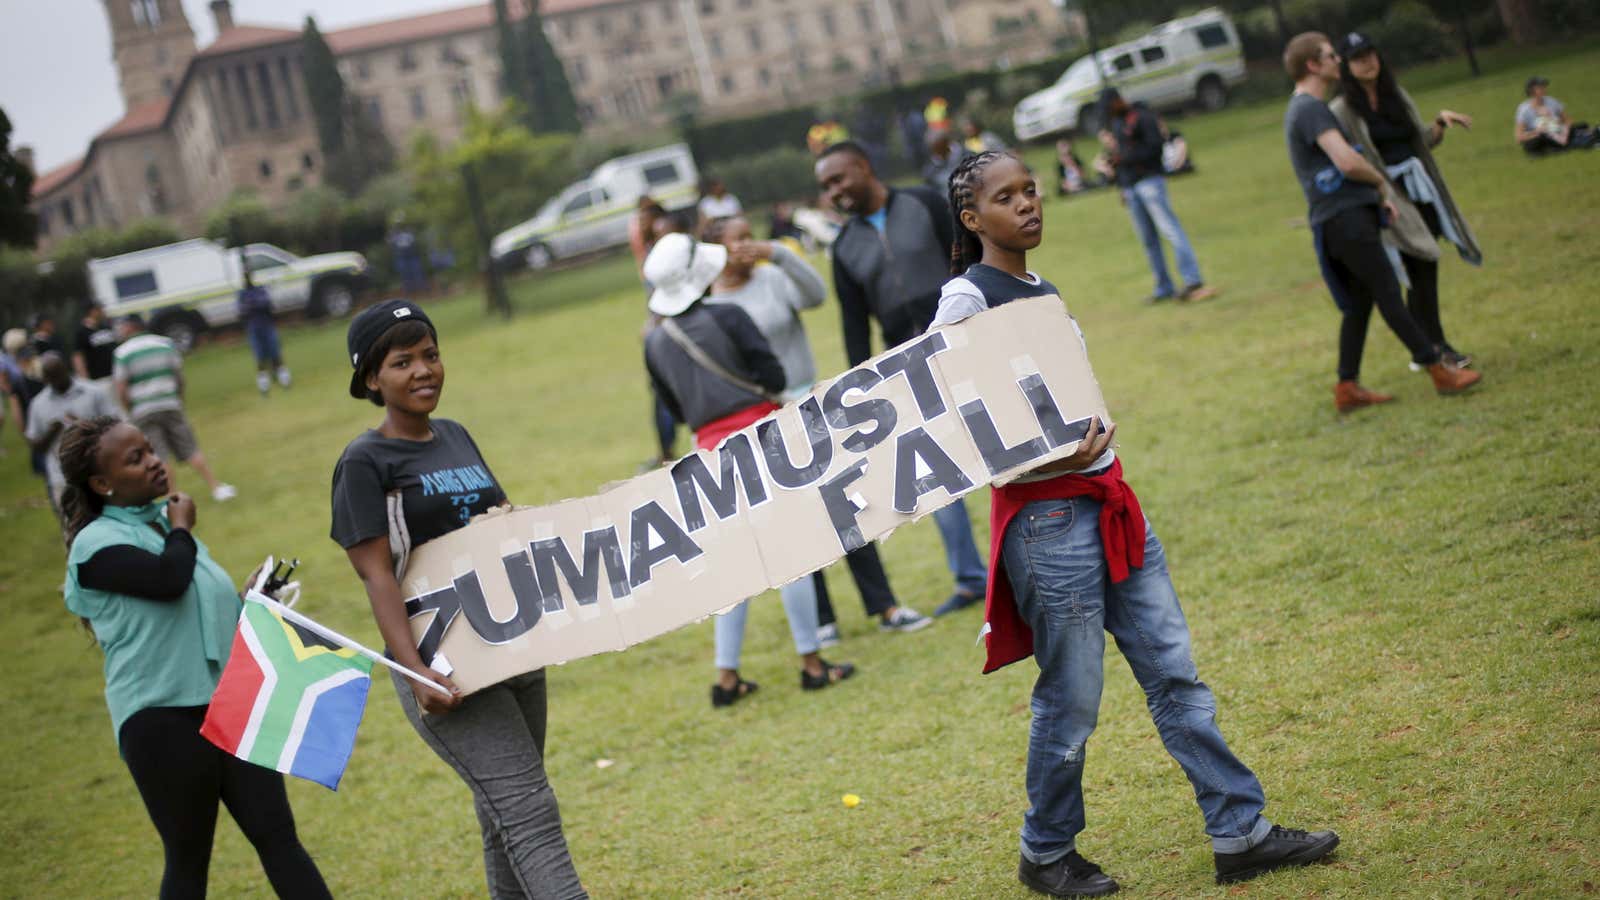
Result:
{"points": [[57, 83]]}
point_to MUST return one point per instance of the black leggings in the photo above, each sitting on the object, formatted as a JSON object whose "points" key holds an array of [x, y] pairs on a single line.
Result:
{"points": [[181, 776], [871, 580], [1354, 248], [1423, 298]]}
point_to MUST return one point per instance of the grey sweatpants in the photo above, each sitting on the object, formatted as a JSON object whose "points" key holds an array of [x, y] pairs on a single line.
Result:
{"points": [[495, 742]]}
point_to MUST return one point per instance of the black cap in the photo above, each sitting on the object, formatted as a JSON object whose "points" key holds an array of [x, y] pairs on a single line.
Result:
{"points": [[369, 325], [1354, 44], [1533, 82]]}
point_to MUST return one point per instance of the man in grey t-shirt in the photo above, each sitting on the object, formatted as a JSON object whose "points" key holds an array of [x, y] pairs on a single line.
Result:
{"points": [[64, 400], [1348, 202]]}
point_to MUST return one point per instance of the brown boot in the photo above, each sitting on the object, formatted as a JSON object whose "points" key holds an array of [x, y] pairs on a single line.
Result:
{"points": [[1349, 395], [1448, 379]]}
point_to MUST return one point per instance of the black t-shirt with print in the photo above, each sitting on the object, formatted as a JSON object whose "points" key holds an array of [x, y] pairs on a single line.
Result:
{"points": [[441, 484], [97, 344]]}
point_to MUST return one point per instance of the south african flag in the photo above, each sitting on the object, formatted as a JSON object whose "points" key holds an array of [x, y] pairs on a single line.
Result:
{"points": [[290, 698]]}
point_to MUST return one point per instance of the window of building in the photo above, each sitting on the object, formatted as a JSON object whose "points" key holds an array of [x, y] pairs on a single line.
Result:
{"points": [[708, 7], [664, 85], [44, 220], [636, 20], [791, 29], [602, 26], [146, 12], [766, 76], [754, 34], [828, 26], [1213, 35], [865, 13], [727, 84], [290, 95], [669, 11], [375, 111], [167, 87], [448, 55], [241, 81], [269, 97], [419, 106], [153, 189], [1152, 55], [307, 162], [67, 213], [580, 72], [567, 26], [801, 64], [461, 94], [408, 60], [716, 44], [899, 7], [265, 169]]}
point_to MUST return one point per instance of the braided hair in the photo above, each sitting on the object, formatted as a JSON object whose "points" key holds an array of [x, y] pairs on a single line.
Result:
{"points": [[964, 184], [79, 457]]}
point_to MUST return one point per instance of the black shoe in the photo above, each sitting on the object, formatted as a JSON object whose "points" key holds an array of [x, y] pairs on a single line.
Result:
{"points": [[721, 696], [958, 601], [832, 673], [1282, 847], [1069, 876]]}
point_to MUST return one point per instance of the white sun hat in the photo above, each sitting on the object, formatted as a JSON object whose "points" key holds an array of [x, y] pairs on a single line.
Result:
{"points": [[679, 270]]}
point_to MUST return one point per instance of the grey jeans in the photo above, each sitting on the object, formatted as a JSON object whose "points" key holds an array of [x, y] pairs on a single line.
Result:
{"points": [[495, 742]]}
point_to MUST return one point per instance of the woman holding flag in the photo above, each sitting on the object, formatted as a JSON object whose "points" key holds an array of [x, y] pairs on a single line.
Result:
{"points": [[164, 614], [396, 487]]}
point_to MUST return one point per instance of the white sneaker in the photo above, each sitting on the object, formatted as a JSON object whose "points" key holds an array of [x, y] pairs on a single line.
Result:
{"points": [[827, 635], [284, 378], [905, 619], [224, 493], [263, 383]]}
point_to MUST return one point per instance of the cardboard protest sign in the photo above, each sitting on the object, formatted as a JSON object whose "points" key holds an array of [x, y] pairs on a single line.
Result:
{"points": [[881, 445]]}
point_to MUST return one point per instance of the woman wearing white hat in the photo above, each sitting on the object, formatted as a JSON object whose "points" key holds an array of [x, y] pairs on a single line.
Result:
{"points": [[715, 371]]}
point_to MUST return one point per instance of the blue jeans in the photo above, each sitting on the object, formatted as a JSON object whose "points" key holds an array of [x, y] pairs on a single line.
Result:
{"points": [[960, 550], [1057, 569], [799, 604], [1153, 219]]}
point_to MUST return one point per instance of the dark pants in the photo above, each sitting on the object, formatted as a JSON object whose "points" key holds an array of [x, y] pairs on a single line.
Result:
{"points": [[495, 742], [1353, 248], [181, 776], [1422, 300], [871, 580], [666, 425]]}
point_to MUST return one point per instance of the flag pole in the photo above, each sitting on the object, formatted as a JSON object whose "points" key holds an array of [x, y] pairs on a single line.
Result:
{"points": [[329, 634]]}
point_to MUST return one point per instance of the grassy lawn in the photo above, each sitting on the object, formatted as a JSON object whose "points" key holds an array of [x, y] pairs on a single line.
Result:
{"points": [[1397, 609]]}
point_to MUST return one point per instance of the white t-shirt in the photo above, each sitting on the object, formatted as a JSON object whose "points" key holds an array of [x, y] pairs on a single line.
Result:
{"points": [[719, 207]]}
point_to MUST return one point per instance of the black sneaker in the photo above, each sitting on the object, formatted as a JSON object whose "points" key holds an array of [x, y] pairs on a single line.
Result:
{"points": [[1069, 876], [1281, 848], [832, 673]]}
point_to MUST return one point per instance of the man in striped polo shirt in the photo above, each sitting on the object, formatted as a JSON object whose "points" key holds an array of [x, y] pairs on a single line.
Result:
{"points": [[148, 372]]}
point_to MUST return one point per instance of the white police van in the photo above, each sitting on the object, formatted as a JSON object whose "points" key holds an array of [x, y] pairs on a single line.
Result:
{"points": [[592, 214], [186, 288], [1195, 59]]}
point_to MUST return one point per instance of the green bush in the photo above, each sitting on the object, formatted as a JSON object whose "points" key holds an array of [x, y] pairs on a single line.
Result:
{"points": [[1409, 33], [780, 174]]}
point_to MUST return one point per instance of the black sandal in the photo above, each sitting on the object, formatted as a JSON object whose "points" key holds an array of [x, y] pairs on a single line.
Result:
{"points": [[721, 696], [832, 673]]}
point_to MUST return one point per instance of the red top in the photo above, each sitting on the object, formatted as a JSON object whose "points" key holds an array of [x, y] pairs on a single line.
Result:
{"points": [[1121, 536], [711, 433]]}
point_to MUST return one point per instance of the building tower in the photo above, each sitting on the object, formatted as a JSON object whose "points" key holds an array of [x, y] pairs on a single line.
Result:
{"points": [[151, 43]]}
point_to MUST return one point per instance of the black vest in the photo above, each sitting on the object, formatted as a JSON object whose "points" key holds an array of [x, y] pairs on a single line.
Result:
{"points": [[999, 287]]}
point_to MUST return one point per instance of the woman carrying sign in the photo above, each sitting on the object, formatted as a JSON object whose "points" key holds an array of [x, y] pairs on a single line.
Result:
{"points": [[396, 487], [164, 614], [712, 367]]}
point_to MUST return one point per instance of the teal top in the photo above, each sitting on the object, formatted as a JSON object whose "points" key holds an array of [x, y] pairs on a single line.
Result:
{"points": [[157, 652]]}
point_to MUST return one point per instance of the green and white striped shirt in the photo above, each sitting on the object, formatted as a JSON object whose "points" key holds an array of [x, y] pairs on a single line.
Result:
{"points": [[150, 364]]}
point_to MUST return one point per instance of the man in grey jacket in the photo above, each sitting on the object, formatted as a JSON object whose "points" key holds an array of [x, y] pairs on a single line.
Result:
{"points": [[889, 262]]}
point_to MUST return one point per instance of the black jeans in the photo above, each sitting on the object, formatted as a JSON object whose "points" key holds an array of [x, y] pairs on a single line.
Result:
{"points": [[871, 580], [1422, 300], [181, 776], [1353, 245]]}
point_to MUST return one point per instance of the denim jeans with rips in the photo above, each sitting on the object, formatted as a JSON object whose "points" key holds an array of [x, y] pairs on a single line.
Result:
{"points": [[1057, 568]]}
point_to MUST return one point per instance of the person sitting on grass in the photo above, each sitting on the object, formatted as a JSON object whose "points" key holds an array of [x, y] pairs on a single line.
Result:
{"points": [[711, 365], [1543, 126], [1073, 557], [164, 614]]}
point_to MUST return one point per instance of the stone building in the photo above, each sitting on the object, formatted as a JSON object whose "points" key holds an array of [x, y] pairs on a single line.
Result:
{"points": [[204, 122]]}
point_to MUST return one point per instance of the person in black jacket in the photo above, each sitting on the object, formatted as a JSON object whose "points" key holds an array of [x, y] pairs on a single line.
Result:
{"points": [[713, 368], [1135, 141], [890, 261]]}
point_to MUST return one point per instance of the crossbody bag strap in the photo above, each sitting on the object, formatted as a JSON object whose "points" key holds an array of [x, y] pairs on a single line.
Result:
{"points": [[704, 360]]}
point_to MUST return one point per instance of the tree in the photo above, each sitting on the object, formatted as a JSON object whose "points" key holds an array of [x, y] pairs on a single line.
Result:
{"points": [[1521, 18], [531, 72], [554, 109], [19, 227], [354, 148], [1459, 13]]}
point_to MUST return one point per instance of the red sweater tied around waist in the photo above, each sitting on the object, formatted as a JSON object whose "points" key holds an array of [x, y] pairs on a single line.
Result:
{"points": [[1121, 536]]}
